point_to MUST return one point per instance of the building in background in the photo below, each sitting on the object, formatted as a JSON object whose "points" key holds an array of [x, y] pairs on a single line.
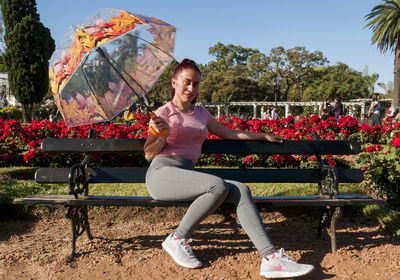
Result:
{"points": [[6, 98]]}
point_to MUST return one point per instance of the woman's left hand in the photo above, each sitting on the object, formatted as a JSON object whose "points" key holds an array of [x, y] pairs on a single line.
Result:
{"points": [[274, 138]]}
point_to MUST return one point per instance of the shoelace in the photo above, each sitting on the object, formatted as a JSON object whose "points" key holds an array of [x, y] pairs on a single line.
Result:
{"points": [[185, 243], [283, 256]]}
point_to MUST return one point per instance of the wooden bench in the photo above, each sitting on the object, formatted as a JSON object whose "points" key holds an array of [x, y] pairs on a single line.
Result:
{"points": [[81, 175]]}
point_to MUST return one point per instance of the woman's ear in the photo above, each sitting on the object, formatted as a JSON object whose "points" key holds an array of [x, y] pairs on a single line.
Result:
{"points": [[173, 83]]}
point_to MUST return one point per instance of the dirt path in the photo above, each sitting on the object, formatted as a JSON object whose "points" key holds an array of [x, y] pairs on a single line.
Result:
{"points": [[131, 248]]}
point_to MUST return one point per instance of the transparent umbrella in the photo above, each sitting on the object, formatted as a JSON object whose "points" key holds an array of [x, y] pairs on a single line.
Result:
{"points": [[106, 63]]}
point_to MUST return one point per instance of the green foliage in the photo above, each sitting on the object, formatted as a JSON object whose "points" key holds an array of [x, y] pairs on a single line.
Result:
{"points": [[161, 90], [227, 79], [13, 11], [229, 55], [292, 69], [338, 80], [3, 68], [245, 74], [383, 20], [11, 113], [382, 174], [229, 86], [388, 219], [43, 111], [28, 48]]}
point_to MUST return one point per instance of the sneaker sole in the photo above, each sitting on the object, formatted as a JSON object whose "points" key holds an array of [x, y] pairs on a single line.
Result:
{"points": [[282, 274], [172, 254]]}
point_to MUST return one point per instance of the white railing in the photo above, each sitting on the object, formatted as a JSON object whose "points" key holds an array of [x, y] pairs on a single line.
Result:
{"points": [[361, 104]]}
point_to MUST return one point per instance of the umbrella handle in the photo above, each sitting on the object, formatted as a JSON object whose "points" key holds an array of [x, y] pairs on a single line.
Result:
{"points": [[161, 134]]}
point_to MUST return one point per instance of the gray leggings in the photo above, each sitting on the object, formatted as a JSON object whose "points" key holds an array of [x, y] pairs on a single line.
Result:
{"points": [[173, 179]]}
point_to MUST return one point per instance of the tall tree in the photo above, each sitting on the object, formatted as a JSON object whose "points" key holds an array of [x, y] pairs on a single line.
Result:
{"points": [[384, 20], [229, 86], [29, 46], [227, 77], [229, 55], [292, 69], [13, 11], [337, 80]]}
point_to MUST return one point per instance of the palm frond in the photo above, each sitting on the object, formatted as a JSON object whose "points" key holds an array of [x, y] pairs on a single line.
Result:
{"points": [[384, 21]]}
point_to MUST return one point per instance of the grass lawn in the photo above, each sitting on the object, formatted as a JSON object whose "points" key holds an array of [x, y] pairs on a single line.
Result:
{"points": [[19, 182]]}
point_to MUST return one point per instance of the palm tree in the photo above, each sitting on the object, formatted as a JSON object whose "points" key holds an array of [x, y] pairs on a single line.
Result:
{"points": [[384, 20], [388, 89], [371, 83]]}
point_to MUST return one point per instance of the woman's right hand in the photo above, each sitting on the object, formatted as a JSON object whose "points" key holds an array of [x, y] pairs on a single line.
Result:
{"points": [[160, 126]]}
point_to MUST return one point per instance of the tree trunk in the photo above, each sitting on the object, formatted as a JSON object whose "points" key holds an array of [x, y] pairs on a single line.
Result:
{"points": [[27, 111], [396, 83]]}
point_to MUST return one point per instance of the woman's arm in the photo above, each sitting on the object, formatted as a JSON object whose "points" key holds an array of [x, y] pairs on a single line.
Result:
{"points": [[371, 108], [222, 131], [155, 144]]}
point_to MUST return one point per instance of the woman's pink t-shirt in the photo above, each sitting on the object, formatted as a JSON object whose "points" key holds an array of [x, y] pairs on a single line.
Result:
{"points": [[187, 131]]}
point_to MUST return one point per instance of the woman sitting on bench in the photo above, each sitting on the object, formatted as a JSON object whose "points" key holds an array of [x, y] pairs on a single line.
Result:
{"points": [[176, 134]]}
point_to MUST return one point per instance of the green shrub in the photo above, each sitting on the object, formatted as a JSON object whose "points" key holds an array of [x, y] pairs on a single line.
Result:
{"points": [[388, 219], [382, 174], [11, 113]]}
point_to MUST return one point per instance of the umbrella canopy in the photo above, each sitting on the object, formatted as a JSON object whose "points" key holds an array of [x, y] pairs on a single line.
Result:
{"points": [[104, 64]]}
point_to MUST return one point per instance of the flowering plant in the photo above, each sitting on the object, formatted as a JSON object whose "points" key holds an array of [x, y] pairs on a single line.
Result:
{"points": [[382, 170], [20, 145]]}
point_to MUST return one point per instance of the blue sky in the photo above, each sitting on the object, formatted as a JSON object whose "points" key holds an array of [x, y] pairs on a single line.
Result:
{"points": [[334, 27]]}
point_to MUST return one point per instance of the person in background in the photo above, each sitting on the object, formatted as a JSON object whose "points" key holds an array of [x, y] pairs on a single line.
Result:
{"points": [[337, 108], [324, 110], [374, 112], [274, 114], [177, 131]]}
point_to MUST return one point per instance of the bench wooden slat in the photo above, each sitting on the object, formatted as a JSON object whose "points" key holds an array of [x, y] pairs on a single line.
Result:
{"points": [[69, 200], [306, 147], [137, 175], [83, 145]]}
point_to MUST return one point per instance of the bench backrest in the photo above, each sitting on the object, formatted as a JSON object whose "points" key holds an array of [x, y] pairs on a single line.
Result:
{"points": [[135, 175], [303, 147]]}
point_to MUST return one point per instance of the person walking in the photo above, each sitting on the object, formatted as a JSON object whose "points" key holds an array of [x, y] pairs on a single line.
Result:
{"points": [[178, 130], [374, 112]]}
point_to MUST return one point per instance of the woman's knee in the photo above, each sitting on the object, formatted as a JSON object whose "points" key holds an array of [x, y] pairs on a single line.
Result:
{"points": [[219, 187], [239, 192], [243, 189]]}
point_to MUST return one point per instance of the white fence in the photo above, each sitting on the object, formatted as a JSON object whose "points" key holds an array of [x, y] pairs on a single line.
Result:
{"points": [[259, 107]]}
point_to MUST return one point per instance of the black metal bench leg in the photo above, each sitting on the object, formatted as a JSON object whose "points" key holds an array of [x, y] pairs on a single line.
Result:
{"points": [[79, 224], [337, 213], [328, 221], [86, 223]]}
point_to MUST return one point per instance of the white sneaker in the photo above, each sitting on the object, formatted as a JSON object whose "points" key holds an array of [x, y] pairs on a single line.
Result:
{"points": [[279, 265], [180, 251]]}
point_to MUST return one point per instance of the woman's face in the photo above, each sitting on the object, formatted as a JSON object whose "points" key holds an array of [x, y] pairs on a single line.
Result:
{"points": [[186, 85]]}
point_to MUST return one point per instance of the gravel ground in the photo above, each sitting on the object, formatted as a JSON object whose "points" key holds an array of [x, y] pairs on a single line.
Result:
{"points": [[127, 245]]}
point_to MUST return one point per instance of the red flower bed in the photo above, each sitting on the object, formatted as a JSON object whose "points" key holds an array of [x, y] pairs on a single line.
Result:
{"points": [[21, 144]]}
